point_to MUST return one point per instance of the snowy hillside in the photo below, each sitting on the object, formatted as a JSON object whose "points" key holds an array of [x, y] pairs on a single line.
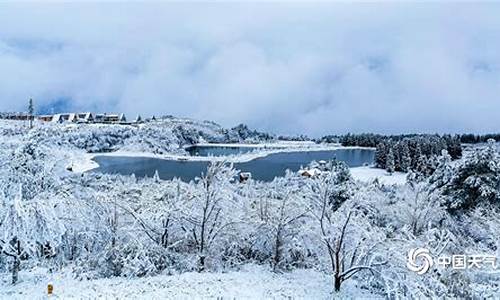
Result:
{"points": [[167, 135]]}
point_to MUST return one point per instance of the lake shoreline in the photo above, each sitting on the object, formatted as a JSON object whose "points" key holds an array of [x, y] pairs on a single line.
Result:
{"points": [[85, 162], [264, 166]]}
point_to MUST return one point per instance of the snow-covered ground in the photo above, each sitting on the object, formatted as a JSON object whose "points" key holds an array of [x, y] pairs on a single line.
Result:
{"points": [[251, 282], [369, 174]]}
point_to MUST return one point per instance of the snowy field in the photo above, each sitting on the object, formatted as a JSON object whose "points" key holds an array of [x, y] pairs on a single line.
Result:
{"points": [[251, 282], [369, 174]]}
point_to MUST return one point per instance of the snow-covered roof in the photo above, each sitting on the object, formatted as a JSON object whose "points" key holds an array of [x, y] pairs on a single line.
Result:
{"points": [[246, 174], [57, 118], [310, 172]]}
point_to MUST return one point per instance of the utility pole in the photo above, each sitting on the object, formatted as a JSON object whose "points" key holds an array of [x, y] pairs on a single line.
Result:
{"points": [[31, 111]]}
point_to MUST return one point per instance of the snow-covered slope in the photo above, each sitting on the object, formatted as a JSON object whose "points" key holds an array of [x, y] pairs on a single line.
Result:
{"points": [[167, 135]]}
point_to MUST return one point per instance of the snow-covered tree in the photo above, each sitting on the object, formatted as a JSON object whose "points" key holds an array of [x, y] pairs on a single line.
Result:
{"points": [[281, 212], [31, 113], [347, 251], [389, 165], [209, 213], [27, 226], [420, 162], [405, 157], [443, 173], [416, 207], [349, 242], [29, 167], [380, 155], [476, 180]]}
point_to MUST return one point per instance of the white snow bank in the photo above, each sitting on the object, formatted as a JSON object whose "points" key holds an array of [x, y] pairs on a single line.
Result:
{"points": [[82, 163], [368, 174], [277, 144], [255, 282]]}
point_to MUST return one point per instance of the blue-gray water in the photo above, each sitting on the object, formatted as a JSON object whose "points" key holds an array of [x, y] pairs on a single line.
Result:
{"points": [[264, 168]]}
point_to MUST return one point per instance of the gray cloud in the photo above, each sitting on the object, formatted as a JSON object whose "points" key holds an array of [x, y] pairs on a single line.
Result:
{"points": [[287, 68]]}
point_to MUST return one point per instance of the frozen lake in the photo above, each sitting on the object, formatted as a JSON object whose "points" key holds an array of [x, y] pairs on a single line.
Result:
{"points": [[264, 168]]}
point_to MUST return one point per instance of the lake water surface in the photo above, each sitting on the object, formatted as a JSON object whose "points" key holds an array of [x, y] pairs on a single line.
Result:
{"points": [[219, 150], [264, 168]]}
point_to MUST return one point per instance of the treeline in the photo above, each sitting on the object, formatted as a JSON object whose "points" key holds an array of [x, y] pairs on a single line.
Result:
{"points": [[372, 139], [365, 139], [294, 138], [244, 133], [416, 153], [328, 139], [477, 138], [368, 139]]}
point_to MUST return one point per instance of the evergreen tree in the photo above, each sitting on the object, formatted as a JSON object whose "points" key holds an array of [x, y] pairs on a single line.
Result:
{"points": [[389, 166], [380, 155], [444, 171], [416, 154], [476, 181], [396, 150], [405, 157], [421, 167], [454, 147], [31, 111]]}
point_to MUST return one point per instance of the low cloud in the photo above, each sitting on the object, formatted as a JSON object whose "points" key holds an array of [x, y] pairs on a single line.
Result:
{"points": [[287, 68]]}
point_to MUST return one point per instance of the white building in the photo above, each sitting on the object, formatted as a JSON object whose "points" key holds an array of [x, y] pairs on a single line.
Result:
{"points": [[86, 117]]}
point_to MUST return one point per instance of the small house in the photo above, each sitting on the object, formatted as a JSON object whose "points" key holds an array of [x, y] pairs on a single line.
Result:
{"points": [[310, 173], [72, 117], [60, 118], [110, 118], [113, 118], [87, 117], [45, 118], [16, 116]]}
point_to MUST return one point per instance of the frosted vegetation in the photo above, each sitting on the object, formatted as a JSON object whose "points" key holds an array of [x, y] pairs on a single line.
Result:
{"points": [[356, 233], [167, 135]]}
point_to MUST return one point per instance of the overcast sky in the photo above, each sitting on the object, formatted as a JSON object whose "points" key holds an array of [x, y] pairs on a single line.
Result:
{"points": [[286, 68]]}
